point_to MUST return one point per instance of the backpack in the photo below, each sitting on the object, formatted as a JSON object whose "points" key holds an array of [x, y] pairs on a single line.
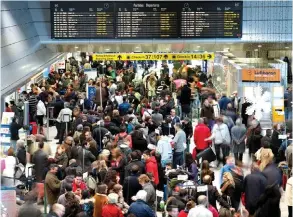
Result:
{"points": [[120, 140], [91, 183]]}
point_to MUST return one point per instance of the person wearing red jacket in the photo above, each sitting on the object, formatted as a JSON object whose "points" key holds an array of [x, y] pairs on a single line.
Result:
{"points": [[111, 209], [201, 132], [78, 185], [151, 165]]}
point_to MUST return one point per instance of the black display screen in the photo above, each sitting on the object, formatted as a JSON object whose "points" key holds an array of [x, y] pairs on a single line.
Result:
{"points": [[146, 20], [82, 19]]}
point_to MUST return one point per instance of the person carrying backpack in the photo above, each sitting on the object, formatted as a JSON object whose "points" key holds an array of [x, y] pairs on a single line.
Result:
{"points": [[123, 138]]}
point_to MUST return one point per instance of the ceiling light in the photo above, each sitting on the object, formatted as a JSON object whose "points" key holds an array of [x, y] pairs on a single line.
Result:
{"points": [[286, 47], [137, 47], [198, 46], [107, 49], [255, 49], [75, 47], [259, 45]]}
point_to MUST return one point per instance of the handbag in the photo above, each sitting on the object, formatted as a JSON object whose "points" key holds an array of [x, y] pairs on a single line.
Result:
{"points": [[18, 169], [207, 154]]}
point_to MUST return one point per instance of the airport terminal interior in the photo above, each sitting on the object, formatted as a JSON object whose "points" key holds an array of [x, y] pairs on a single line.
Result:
{"points": [[146, 108]]}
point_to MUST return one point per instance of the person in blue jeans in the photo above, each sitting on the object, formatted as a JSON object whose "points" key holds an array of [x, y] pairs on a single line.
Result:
{"points": [[179, 144]]}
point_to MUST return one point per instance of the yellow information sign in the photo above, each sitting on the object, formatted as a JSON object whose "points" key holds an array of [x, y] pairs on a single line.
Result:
{"points": [[154, 56]]}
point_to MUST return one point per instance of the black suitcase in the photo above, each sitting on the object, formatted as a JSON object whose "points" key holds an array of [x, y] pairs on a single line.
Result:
{"points": [[208, 154]]}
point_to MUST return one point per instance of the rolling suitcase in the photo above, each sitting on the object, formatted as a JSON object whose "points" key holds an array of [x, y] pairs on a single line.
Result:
{"points": [[208, 154]]}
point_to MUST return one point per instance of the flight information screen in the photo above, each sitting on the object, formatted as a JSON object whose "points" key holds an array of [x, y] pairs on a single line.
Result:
{"points": [[146, 19], [82, 19], [205, 20]]}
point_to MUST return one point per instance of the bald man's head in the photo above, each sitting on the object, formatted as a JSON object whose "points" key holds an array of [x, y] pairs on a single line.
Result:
{"points": [[207, 179], [202, 200]]}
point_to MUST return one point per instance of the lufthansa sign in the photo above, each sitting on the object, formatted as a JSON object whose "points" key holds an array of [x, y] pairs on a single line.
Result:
{"points": [[261, 75], [154, 56]]}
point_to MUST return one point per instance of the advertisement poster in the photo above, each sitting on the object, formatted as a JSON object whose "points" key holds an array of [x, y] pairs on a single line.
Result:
{"points": [[8, 198], [7, 118]]}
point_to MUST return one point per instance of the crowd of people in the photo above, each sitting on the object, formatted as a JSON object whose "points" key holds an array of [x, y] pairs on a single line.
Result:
{"points": [[132, 138]]}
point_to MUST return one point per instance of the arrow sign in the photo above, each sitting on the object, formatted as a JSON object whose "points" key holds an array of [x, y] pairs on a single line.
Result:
{"points": [[128, 57], [166, 56], [119, 57], [209, 56]]}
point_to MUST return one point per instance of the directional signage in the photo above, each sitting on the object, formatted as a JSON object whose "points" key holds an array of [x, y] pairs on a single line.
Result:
{"points": [[154, 56]]}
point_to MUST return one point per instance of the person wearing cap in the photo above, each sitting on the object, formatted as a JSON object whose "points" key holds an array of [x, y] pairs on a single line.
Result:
{"points": [[78, 131], [65, 116], [140, 208], [111, 209]]}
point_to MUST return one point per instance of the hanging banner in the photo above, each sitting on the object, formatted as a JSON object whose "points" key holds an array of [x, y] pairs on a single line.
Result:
{"points": [[154, 56], [261, 75]]}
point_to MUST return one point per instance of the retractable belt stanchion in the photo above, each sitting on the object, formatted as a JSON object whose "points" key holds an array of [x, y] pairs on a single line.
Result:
{"points": [[50, 112], [66, 120]]}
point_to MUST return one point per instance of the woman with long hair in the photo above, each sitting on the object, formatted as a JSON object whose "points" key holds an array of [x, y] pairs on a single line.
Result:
{"points": [[146, 184], [118, 163], [191, 166], [111, 179], [72, 207], [205, 170], [228, 189]]}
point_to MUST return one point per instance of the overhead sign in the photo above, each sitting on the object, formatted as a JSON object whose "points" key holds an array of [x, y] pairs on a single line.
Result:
{"points": [[261, 75], [154, 56]]}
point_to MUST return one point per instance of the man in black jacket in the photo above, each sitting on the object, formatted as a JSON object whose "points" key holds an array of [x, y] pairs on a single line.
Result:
{"points": [[13, 128], [185, 99], [40, 159], [213, 193], [21, 152], [131, 185], [254, 186], [135, 160]]}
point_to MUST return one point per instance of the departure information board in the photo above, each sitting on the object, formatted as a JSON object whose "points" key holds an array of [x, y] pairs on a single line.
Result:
{"points": [[146, 19], [205, 20], [82, 19]]}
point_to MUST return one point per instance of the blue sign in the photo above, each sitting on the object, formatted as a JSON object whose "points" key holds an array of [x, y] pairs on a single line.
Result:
{"points": [[46, 72], [91, 93]]}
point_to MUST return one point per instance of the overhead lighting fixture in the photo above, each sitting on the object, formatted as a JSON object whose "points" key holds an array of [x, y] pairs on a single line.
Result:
{"points": [[137, 47], [198, 46], [76, 47], [259, 45], [107, 49], [255, 49], [286, 47]]}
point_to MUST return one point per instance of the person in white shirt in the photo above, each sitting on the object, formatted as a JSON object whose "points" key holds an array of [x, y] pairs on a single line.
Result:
{"points": [[41, 113], [64, 117], [201, 209], [289, 195], [221, 139], [164, 148], [10, 163]]}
